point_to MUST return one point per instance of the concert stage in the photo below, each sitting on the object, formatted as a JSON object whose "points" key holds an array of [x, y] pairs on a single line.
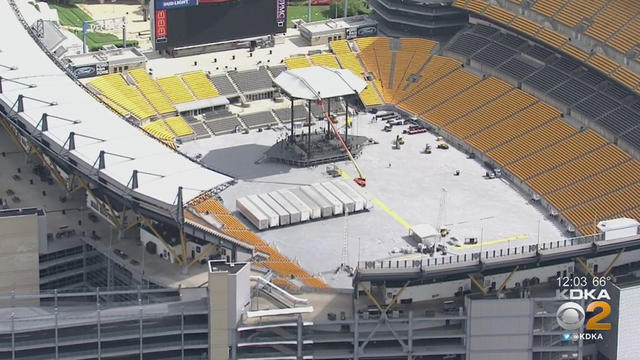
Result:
{"points": [[323, 150], [323, 86]]}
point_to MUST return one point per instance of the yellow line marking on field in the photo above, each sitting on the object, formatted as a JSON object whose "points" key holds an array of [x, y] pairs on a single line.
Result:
{"points": [[382, 205]]}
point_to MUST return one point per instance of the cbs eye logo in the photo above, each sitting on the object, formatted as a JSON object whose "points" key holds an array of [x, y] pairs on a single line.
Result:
{"points": [[571, 316]]}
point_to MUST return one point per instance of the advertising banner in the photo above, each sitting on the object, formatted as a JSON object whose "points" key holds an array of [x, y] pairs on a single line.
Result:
{"points": [[84, 71], [281, 14], [102, 69], [174, 4], [369, 30], [161, 25], [91, 70]]}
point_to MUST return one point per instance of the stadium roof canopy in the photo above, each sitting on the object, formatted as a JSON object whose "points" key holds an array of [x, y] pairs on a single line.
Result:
{"points": [[128, 148], [319, 82]]}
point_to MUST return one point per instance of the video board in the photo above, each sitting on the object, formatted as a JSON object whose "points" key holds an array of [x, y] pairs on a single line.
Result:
{"points": [[180, 23]]}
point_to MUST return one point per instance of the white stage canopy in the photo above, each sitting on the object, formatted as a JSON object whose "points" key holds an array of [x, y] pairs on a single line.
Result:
{"points": [[319, 82]]}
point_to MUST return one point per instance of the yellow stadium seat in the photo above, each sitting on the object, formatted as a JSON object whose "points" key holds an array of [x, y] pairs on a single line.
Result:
{"points": [[200, 85], [175, 89]]}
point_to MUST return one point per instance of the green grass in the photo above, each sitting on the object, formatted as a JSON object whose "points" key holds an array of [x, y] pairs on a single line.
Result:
{"points": [[71, 15], [96, 40], [300, 12]]}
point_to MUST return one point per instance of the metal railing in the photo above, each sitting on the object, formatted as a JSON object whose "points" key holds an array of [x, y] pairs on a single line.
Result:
{"points": [[475, 258]]}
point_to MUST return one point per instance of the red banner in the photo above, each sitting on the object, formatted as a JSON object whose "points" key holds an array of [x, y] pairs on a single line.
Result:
{"points": [[161, 24]]}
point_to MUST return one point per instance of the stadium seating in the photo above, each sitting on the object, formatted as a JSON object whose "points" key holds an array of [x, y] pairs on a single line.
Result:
{"points": [[439, 91], [417, 44], [223, 85], [374, 42], [285, 284], [126, 96], [525, 136], [580, 168], [609, 206], [252, 80], [602, 63], [351, 62], [529, 143], [175, 89], [369, 96], [500, 15], [276, 262], [159, 130], [297, 62], [612, 18], [558, 154], [596, 186], [513, 127], [328, 60], [437, 67], [151, 91], [467, 101], [577, 10], [117, 108], [339, 46], [200, 85], [179, 126], [616, 23], [277, 70], [503, 107], [258, 119], [548, 7], [407, 66]]}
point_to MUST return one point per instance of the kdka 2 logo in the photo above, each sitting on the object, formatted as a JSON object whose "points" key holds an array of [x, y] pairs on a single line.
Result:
{"points": [[571, 316]]}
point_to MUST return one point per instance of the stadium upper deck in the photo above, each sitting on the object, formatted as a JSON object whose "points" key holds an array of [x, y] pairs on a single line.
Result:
{"points": [[29, 74]]}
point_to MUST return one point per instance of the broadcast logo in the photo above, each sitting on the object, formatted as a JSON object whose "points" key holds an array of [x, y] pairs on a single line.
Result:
{"points": [[571, 316]]}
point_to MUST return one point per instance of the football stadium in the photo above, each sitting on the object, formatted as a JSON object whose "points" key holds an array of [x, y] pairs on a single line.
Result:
{"points": [[223, 179]]}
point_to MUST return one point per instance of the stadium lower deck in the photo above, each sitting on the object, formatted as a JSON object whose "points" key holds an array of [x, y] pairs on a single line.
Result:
{"points": [[489, 209]]}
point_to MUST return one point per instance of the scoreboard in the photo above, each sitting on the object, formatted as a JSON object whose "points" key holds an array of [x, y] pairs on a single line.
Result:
{"points": [[180, 23]]}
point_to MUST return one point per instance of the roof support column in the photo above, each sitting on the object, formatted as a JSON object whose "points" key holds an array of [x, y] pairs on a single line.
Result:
{"points": [[328, 118], [292, 138], [410, 337], [299, 337], [346, 122], [309, 131]]}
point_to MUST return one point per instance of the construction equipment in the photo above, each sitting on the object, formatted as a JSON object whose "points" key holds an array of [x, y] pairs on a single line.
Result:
{"points": [[443, 146], [427, 149], [400, 139], [333, 171], [360, 180]]}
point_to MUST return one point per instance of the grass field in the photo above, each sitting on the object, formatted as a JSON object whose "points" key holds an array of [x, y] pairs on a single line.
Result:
{"points": [[300, 12], [71, 15], [96, 40]]}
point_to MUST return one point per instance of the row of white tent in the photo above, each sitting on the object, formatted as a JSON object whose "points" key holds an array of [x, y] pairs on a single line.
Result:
{"points": [[304, 203]]}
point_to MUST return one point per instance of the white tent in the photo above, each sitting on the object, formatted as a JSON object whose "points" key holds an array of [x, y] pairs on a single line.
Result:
{"points": [[319, 82]]}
